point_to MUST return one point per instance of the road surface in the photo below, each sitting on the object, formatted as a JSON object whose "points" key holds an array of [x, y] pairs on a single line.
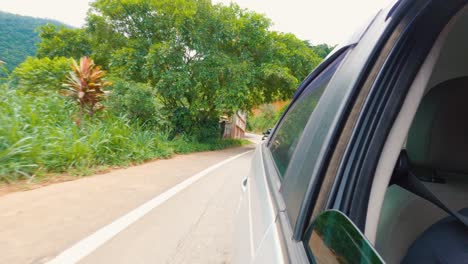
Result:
{"points": [[180, 210]]}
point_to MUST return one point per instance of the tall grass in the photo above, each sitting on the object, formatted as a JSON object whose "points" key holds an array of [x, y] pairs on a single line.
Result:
{"points": [[38, 134]]}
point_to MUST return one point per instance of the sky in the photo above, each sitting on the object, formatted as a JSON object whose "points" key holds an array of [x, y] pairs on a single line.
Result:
{"points": [[319, 21]]}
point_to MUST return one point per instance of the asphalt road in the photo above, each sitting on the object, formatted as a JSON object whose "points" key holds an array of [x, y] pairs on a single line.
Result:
{"points": [[180, 210]]}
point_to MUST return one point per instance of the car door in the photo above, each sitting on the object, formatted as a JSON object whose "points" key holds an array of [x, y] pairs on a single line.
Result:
{"points": [[419, 27], [411, 27], [294, 177], [258, 211]]}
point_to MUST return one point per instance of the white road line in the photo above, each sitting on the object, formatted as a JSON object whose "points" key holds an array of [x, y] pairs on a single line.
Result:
{"points": [[87, 245]]}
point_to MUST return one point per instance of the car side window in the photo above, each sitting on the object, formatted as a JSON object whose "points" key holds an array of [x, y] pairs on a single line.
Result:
{"points": [[289, 131]]}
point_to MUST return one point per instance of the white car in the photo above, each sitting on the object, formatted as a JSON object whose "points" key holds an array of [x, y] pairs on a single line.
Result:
{"points": [[369, 164]]}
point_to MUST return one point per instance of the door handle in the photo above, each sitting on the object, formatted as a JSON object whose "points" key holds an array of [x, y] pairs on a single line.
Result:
{"points": [[244, 184]]}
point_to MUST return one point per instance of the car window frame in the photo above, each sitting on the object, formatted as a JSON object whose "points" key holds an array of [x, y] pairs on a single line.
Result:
{"points": [[294, 249], [358, 70], [329, 107], [393, 88], [372, 46], [300, 90], [341, 55]]}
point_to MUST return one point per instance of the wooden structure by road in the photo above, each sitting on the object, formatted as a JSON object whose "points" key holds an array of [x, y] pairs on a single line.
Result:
{"points": [[234, 127]]}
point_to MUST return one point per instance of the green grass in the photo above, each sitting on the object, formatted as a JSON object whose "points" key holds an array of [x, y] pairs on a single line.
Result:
{"points": [[181, 146], [38, 136]]}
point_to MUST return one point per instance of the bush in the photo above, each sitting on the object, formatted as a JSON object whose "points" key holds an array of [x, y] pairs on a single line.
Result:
{"points": [[138, 102], [206, 130], [85, 85], [196, 126], [40, 76]]}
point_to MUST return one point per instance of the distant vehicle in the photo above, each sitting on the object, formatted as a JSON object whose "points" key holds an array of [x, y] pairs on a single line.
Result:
{"points": [[369, 163], [266, 133]]}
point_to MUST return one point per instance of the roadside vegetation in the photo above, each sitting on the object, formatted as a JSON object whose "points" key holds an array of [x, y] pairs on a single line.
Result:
{"points": [[265, 117], [142, 80], [39, 134]]}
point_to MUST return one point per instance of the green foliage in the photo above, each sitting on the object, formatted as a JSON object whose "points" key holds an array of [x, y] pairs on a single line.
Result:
{"points": [[295, 57], [267, 118], [183, 145], [203, 60], [40, 76], [138, 102], [322, 50], [178, 66], [18, 37], [37, 136], [63, 42]]}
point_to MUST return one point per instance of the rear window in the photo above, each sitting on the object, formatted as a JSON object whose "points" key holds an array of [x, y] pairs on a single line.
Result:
{"points": [[289, 131]]}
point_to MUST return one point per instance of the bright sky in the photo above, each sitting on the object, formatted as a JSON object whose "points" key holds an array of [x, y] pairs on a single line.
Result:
{"points": [[320, 21]]}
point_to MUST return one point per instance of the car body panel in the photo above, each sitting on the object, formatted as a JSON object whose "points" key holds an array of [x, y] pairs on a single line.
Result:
{"points": [[270, 235], [269, 250], [256, 216]]}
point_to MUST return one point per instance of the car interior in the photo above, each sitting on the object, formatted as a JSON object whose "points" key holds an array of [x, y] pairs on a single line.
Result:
{"points": [[429, 139]]}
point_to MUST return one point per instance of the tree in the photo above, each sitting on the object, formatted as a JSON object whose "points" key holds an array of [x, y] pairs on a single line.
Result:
{"points": [[18, 37], [137, 101], [63, 42], [290, 63], [322, 50], [202, 60], [40, 76]]}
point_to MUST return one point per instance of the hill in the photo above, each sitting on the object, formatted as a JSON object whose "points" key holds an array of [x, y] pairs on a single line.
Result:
{"points": [[18, 37]]}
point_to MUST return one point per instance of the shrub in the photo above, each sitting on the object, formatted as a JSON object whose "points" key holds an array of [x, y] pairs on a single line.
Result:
{"points": [[85, 85], [196, 126], [206, 130], [40, 76], [138, 102]]}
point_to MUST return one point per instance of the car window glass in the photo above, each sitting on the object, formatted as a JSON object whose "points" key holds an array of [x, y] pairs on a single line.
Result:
{"points": [[289, 131]]}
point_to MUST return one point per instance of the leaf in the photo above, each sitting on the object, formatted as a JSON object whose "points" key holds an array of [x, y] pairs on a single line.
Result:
{"points": [[85, 84]]}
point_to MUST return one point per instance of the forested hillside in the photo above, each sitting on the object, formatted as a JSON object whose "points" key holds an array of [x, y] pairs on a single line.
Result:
{"points": [[18, 37]]}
